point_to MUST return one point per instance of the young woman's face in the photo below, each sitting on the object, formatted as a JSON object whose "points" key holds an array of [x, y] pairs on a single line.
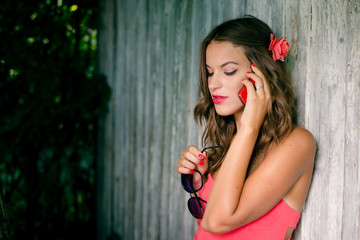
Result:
{"points": [[226, 65]]}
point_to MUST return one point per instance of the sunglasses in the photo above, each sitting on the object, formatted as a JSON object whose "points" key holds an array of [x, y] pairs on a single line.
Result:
{"points": [[195, 204]]}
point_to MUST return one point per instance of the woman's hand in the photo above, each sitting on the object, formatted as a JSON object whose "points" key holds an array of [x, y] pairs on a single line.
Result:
{"points": [[193, 159], [258, 100]]}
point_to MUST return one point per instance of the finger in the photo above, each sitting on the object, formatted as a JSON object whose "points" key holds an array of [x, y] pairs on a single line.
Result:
{"points": [[257, 80], [249, 87], [184, 163], [183, 170], [194, 154], [265, 90], [192, 158], [262, 77], [259, 83]]}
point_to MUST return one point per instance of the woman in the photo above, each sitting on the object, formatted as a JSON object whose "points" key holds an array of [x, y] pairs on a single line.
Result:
{"points": [[256, 184]]}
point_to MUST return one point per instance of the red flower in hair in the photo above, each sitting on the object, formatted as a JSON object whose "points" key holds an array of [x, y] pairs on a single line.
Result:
{"points": [[278, 47]]}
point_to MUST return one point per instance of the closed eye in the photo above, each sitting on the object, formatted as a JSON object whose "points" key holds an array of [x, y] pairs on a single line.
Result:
{"points": [[230, 73], [210, 74]]}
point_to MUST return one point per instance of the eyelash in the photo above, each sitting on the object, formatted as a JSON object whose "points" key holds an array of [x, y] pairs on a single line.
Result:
{"points": [[230, 73], [226, 73]]}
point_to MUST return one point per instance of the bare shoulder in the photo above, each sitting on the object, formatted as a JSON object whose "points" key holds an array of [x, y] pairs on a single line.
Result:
{"points": [[300, 142], [302, 138], [299, 145]]}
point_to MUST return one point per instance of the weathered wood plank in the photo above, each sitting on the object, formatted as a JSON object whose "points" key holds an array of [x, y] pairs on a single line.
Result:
{"points": [[325, 102], [350, 42]]}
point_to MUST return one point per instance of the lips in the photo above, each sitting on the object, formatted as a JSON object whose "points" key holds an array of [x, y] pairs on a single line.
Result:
{"points": [[217, 99]]}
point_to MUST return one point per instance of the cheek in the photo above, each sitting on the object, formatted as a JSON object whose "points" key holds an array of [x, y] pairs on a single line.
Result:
{"points": [[237, 85], [239, 77], [243, 75]]}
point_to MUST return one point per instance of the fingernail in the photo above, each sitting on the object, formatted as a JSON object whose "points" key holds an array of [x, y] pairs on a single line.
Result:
{"points": [[201, 156], [248, 72], [192, 171], [201, 163], [242, 79], [253, 65]]}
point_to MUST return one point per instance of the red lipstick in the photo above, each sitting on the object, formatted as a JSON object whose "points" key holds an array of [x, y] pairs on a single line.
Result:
{"points": [[217, 99]]}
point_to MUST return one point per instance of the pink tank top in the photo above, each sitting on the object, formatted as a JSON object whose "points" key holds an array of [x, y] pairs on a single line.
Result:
{"points": [[272, 226]]}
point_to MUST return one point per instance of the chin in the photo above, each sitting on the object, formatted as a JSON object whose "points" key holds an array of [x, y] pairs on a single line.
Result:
{"points": [[224, 113], [227, 112]]}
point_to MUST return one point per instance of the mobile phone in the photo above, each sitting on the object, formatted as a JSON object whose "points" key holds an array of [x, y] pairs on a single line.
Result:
{"points": [[243, 92]]}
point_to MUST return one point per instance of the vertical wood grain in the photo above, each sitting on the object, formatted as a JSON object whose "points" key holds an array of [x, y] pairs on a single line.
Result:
{"points": [[148, 50], [324, 116], [351, 44]]}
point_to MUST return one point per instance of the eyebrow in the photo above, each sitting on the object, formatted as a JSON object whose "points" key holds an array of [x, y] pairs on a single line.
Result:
{"points": [[224, 64]]}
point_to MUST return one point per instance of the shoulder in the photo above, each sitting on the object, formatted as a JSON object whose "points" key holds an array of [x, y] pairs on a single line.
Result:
{"points": [[302, 138], [300, 143], [299, 146]]}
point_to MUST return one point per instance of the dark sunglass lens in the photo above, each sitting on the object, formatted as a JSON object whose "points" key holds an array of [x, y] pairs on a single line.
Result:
{"points": [[187, 182], [194, 207]]}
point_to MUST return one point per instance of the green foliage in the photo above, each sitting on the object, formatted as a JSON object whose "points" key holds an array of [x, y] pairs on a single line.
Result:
{"points": [[50, 101]]}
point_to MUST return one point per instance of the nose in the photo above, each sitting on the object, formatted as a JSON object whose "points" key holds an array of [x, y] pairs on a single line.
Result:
{"points": [[214, 82]]}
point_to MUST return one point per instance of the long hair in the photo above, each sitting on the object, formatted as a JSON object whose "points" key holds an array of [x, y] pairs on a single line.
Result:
{"points": [[254, 36]]}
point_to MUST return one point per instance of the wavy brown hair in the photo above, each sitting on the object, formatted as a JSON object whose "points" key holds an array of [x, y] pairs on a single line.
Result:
{"points": [[254, 36]]}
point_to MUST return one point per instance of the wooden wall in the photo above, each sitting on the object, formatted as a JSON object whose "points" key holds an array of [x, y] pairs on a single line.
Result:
{"points": [[148, 51]]}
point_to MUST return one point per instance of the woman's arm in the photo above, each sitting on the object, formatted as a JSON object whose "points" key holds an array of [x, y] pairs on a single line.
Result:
{"points": [[234, 202]]}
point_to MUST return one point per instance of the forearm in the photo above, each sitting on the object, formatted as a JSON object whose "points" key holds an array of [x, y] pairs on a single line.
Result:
{"points": [[226, 192]]}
